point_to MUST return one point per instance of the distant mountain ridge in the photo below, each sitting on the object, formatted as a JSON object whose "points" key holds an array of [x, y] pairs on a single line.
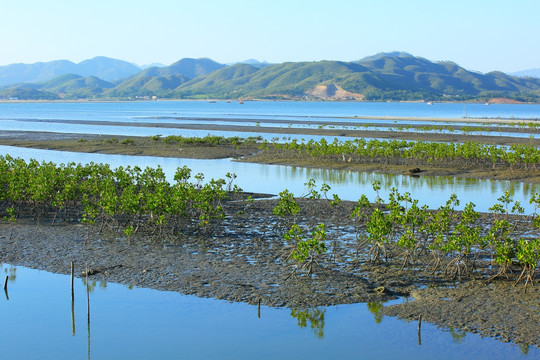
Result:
{"points": [[529, 72], [385, 76], [103, 67]]}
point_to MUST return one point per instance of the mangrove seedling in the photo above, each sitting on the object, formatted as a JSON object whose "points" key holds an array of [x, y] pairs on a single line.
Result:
{"points": [[306, 249]]}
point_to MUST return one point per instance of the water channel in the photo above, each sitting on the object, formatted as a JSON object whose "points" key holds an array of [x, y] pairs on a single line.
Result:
{"points": [[41, 322]]}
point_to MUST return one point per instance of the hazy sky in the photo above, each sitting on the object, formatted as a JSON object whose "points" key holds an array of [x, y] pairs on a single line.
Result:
{"points": [[482, 35]]}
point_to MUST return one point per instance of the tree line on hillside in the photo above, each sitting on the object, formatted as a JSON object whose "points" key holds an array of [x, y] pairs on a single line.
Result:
{"points": [[394, 76]]}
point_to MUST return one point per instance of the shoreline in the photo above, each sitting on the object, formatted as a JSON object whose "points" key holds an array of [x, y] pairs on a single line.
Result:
{"points": [[302, 100]]}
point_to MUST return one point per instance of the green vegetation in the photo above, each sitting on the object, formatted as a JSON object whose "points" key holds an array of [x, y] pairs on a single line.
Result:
{"points": [[208, 140], [412, 152], [404, 230], [128, 199], [380, 78], [412, 231]]}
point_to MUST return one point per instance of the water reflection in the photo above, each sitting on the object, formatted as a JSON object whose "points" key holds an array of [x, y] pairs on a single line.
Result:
{"points": [[11, 273], [10, 278], [315, 318], [93, 284], [457, 335], [375, 308], [143, 323]]}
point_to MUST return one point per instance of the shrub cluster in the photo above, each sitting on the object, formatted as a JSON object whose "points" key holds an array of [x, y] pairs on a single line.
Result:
{"points": [[130, 199]]}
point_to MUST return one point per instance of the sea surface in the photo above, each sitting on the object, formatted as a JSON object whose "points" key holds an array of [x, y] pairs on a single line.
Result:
{"points": [[42, 116]]}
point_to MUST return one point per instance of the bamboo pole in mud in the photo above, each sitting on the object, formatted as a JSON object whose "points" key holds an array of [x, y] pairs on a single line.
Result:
{"points": [[419, 329]]}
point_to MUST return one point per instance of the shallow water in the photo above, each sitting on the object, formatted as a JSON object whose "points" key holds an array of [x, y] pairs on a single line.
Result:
{"points": [[348, 185], [133, 323], [15, 116], [132, 129], [113, 111]]}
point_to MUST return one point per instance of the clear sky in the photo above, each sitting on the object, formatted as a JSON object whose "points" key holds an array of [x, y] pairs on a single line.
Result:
{"points": [[481, 35]]}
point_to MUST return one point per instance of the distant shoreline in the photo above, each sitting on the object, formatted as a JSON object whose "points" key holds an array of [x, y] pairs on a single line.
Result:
{"points": [[478, 102]]}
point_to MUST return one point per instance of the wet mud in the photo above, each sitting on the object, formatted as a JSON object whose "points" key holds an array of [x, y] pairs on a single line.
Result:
{"points": [[245, 258]]}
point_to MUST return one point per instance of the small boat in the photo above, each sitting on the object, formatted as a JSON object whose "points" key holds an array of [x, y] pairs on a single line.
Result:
{"points": [[212, 101], [430, 103], [240, 102]]}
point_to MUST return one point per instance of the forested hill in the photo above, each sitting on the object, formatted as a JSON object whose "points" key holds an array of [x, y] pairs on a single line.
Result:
{"points": [[385, 76]]}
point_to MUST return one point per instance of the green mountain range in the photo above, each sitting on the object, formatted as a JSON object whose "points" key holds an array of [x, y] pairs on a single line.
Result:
{"points": [[385, 76]]}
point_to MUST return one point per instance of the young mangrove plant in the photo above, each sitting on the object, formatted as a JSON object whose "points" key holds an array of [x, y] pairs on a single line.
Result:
{"points": [[439, 228], [465, 235], [287, 208], [305, 248], [528, 255]]}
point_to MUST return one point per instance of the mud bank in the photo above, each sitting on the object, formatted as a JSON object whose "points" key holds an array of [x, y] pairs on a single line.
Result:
{"points": [[245, 259]]}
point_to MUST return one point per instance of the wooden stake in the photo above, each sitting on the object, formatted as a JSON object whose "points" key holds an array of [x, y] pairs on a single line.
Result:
{"points": [[419, 329], [259, 309]]}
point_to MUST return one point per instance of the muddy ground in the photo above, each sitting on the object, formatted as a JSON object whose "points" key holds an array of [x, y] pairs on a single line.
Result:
{"points": [[244, 258]]}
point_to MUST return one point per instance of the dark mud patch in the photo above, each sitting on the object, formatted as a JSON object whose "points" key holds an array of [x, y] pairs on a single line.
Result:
{"points": [[122, 145]]}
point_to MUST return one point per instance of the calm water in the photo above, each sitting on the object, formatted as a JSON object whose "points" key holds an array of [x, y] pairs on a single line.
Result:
{"points": [[117, 111], [38, 323], [23, 116]]}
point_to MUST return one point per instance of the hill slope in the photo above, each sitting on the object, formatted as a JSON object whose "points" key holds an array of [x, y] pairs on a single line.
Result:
{"points": [[161, 81], [385, 76]]}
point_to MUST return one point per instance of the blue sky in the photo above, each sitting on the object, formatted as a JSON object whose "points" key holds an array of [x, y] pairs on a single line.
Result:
{"points": [[479, 35]]}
